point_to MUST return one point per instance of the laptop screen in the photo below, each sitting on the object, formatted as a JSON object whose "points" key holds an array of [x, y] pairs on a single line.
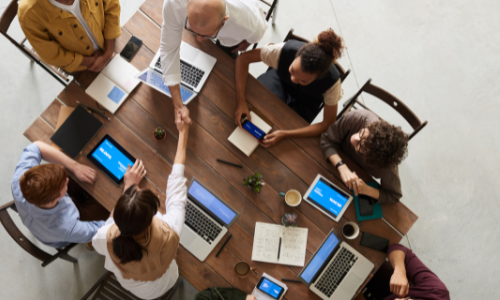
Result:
{"points": [[319, 259], [155, 80], [207, 199], [329, 197]]}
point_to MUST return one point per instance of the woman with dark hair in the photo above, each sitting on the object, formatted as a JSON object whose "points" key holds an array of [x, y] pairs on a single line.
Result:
{"points": [[302, 75], [375, 145], [139, 242]]}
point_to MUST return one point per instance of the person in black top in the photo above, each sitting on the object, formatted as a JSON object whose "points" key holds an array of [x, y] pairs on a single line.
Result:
{"points": [[302, 75]]}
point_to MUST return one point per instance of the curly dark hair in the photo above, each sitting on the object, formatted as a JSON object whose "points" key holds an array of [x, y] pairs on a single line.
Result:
{"points": [[318, 56], [386, 145]]}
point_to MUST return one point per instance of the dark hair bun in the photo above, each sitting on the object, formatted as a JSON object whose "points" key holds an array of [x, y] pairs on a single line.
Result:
{"points": [[331, 43]]}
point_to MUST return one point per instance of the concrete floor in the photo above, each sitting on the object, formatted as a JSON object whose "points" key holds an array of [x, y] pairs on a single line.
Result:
{"points": [[440, 57]]}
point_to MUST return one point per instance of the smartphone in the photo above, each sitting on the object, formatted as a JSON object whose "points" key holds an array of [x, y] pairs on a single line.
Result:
{"points": [[254, 130], [374, 242], [270, 288], [131, 48], [365, 206]]}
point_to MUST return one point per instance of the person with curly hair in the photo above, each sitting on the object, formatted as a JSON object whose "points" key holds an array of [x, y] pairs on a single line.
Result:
{"points": [[302, 75], [375, 145]]}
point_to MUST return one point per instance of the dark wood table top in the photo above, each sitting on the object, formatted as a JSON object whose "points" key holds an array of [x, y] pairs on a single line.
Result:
{"points": [[292, 163]]}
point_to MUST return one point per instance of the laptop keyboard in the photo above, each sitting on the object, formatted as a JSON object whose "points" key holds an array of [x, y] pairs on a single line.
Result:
{"points": [[201, 224], [336, 272], [189, 74]]}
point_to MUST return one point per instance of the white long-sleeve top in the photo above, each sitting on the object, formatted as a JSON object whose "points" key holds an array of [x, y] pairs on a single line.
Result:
{"points": [[175, 213], [246, 21]]}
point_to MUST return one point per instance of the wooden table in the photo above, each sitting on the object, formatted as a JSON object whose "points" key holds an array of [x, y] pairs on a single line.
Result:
{"points": [[293, 163]]}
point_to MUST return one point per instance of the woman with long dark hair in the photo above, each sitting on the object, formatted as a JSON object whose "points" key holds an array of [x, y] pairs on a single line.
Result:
{"points": [[302, 75], [139, 242]]}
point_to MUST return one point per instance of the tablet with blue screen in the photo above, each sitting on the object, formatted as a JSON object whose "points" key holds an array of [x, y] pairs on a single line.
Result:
{"points": [[111, 158], [328, 198]]}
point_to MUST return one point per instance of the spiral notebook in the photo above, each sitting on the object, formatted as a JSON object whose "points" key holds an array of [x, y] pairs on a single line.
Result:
{"points": [[279, 244]]}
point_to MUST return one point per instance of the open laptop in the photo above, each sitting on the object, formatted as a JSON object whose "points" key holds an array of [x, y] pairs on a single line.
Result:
{"points": [[208, 218], [336, 270], [196, 65]]}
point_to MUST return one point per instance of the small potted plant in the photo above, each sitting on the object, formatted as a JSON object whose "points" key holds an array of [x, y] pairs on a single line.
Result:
{"points": [[289, 219], [159, 134], [254, 182]]}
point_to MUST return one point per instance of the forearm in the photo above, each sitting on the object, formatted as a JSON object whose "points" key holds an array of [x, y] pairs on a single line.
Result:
{"points": [[372, 192], [109, 47], [180, 155], [175, 90], [241, 74], [397, 260], [55, 156], [308, 131]]}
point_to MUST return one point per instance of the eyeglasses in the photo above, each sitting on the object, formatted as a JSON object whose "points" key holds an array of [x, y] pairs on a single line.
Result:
{"points": [[361, 140], [186, 26]]}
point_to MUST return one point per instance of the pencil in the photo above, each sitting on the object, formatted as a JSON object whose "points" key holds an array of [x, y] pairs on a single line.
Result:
{"points": [[229, 163], [291, 280], [223, 245], [279, 249], [93, 109]]}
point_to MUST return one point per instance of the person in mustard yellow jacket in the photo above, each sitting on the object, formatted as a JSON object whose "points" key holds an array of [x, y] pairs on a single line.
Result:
{"points": [[73, 35]]}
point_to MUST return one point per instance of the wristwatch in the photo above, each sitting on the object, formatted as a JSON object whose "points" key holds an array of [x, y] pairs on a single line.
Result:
{"points": [[340, 163]]}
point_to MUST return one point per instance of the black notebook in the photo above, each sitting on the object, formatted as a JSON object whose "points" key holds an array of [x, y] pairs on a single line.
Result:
{"points": [[76, 132]]}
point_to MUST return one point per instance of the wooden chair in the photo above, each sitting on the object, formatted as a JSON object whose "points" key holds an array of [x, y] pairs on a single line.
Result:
{"points": [[111, 289], [292, 36], [272, 12], [26, 244], [7, 17], [388, 98]]}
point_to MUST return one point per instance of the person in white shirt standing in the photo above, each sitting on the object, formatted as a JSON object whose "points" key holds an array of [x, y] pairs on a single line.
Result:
{"points": [[234, 23], [139, 242]]}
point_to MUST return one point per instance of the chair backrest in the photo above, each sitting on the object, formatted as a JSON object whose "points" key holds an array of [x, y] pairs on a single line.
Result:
{"points": [[8, 16], [389, 99], [292, 36], [271, 12]]}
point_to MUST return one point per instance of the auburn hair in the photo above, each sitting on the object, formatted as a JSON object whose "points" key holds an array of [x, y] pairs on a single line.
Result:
{"points": [[42, 184], [386, 145]]}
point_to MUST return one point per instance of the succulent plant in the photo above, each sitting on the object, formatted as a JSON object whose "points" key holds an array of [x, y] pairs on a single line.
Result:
{"points": [[254, 182], [159, 133], [289, 219]]}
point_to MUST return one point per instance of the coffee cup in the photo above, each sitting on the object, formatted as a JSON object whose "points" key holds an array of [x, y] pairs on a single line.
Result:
{"points": [[242, 268], [293, 198], [350, 230]]}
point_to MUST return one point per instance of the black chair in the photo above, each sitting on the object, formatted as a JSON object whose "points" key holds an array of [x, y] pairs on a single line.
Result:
{"points": [[388, 98], [272, 12], [110, 289], [26, 244]]}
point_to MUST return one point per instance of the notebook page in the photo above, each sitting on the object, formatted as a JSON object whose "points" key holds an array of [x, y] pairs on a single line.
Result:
{"points": [[122, 73], [266, 242], [293, 246]]}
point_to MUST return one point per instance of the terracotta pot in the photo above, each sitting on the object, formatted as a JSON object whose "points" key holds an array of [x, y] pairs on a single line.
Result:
{"points": [[159, 140]]}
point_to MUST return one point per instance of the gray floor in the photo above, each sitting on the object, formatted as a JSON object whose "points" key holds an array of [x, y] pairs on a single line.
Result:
{"points": [[440, 57]]}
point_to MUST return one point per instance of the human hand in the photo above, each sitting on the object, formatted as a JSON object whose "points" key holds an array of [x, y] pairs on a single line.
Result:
{"points": [[100, 61], [348, 177], [399, 283], [272, 138], [84, 173], [241, 109], [359, 186], [181, 125], [251, 297], [134, 174], [241, 47], [184, 114]]}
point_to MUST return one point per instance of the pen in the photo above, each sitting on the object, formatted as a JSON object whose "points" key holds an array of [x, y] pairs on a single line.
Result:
{"points": [[279, 249], [229, 163], [291, 280], [97, 111], [223, 245], [218, 292]]}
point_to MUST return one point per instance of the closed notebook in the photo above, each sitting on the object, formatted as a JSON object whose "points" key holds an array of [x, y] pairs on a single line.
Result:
{"points": [[377, 208], [243, 140], [113, 85], [64, 113], [76, 132]]}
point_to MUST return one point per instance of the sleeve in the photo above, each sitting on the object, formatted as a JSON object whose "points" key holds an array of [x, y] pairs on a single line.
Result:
{"points": [[112, 29], [270, 54], [170, 42], [50, 51], [390, 187], [333, 136], [30, 157], [175, 204], [82, 232], [332, 96], [418, 273], [99, 240]]}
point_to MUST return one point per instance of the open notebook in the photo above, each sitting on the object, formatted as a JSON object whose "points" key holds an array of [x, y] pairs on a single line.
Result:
{"points": [[266, 244], [115, 82], [243, 140]]}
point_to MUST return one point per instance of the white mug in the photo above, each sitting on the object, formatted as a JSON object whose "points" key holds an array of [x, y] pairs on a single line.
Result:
{"points": [[293, 194], [354, 234]]}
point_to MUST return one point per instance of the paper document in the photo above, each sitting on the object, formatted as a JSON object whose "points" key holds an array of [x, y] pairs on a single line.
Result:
{"points": [[243, 140], [266, 244]]}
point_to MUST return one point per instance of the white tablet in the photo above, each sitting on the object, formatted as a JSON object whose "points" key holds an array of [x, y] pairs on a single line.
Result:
{"points": [[328, 198]]}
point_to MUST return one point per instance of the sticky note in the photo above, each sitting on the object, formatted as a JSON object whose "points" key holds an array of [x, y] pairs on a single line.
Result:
{"points": [[116, 94]]}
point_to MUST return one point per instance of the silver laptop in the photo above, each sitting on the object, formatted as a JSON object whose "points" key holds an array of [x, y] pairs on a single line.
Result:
{"points": [[208, 218], [336, 271]]}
